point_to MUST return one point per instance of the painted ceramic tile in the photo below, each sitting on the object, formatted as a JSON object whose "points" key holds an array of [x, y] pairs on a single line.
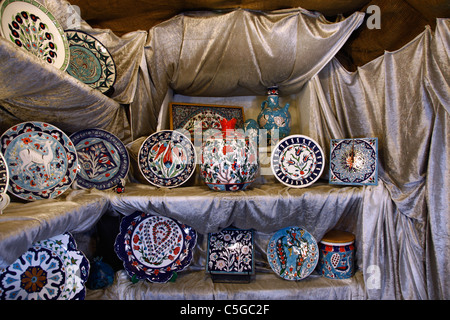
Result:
{"points": [[30, 26], [354, 161], [230, 251]]}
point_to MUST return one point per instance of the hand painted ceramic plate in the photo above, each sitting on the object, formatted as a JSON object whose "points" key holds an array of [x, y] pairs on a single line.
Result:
{"points": [[51, 269], [230, 251], [154, 247], [33, 28], [42, 160], [103, 159], [167, 159], [292, 253], [90, 61], [297, 161], [4, 182], [354, 161]]}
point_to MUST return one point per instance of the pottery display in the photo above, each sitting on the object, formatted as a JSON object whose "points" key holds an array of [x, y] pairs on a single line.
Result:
{"points": [[274, 118], [229, 159], [336, 255]]}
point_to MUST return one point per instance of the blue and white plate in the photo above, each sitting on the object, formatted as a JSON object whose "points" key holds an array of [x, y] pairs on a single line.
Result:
{"points": [[167, 159], [293, 253], [103, 159], [297, 161], [354, 161], [42, 160], [154, 247], [52, 269]]}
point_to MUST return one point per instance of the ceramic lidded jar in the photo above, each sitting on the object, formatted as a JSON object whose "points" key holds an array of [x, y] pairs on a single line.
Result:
{"points": [[274, 118], [229, 159], [336, 255]]}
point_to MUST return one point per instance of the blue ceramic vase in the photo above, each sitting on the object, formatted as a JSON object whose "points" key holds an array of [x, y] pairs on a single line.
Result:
{"points": [[273, 118]]}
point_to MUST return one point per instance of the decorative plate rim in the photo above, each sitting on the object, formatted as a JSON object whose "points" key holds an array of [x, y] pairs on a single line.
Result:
{"points": [[124, 155], [101, 89], [71, 170], [50, 15], [6, 178], [194, 154], [319, 152], [375, 172], [277, 236], [133, 268]]}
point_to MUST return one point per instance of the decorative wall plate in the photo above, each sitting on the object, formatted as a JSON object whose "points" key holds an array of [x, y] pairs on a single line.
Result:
{"points": [[103, 159], [51, 269], [33, 28], [42, 161], [292, 253], [90, 61], [297, 161], [4, 182], [167, 159], [230, 251], [154, 247], [354, 161]]}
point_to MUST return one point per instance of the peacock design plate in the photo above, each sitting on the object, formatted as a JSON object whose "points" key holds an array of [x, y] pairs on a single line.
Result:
{"points": [[154, 247], [297, 161], [293, 253], [103, 159], [42, 160], [52, 269], [354, 161], [90, 61], [30, 25], [167, 159]]}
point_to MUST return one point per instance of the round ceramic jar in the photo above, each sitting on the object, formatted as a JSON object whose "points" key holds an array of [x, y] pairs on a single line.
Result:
{"points": [[229, 159], [336, 255]]}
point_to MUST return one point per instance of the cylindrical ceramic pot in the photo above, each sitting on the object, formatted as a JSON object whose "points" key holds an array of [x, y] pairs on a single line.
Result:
{"points": [[336, 255]]}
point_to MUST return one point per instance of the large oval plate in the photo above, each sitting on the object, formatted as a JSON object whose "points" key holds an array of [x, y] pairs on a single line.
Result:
{"points": [[103, 159], [154, 247], [42, 160], [90, 61], [293, 253], [51, 269], [33, 28], [297, 161], [167, 159]]}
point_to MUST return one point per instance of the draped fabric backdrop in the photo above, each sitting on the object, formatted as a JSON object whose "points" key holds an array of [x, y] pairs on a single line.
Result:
{"points": [[402, 98]]}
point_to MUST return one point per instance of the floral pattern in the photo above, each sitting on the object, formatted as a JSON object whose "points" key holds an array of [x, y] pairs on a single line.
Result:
{"points": [[354, 161], [336, 261], [230, 251], [292, 253]]}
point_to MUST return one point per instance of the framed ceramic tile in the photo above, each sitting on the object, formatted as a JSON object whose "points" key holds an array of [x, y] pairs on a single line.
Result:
{"points": [[230, 252], [354, 161], [187, 115]]}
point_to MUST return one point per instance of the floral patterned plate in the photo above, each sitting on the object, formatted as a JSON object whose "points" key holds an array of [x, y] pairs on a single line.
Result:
{"points": [[297, 161], [29, 25], [354, 161], [51, 269], [230, 251], [154, 247], [103, 159], [293, 253], [4, 182], [90, 61], [42, 160], [167, 159]]}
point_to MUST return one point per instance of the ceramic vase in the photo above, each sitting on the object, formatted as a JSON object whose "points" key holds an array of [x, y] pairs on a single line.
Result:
{"points": [[229, 159], [274, 118]]}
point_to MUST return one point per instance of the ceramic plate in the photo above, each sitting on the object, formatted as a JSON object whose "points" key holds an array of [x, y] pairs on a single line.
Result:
{"points": [[103, 159], [33, 28], [42, 161], [292, 253], [51, 269], [154, 247], [90, 61], [4, 177], [230, 251], [167, 159], [297, 161], [354, 161]]}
